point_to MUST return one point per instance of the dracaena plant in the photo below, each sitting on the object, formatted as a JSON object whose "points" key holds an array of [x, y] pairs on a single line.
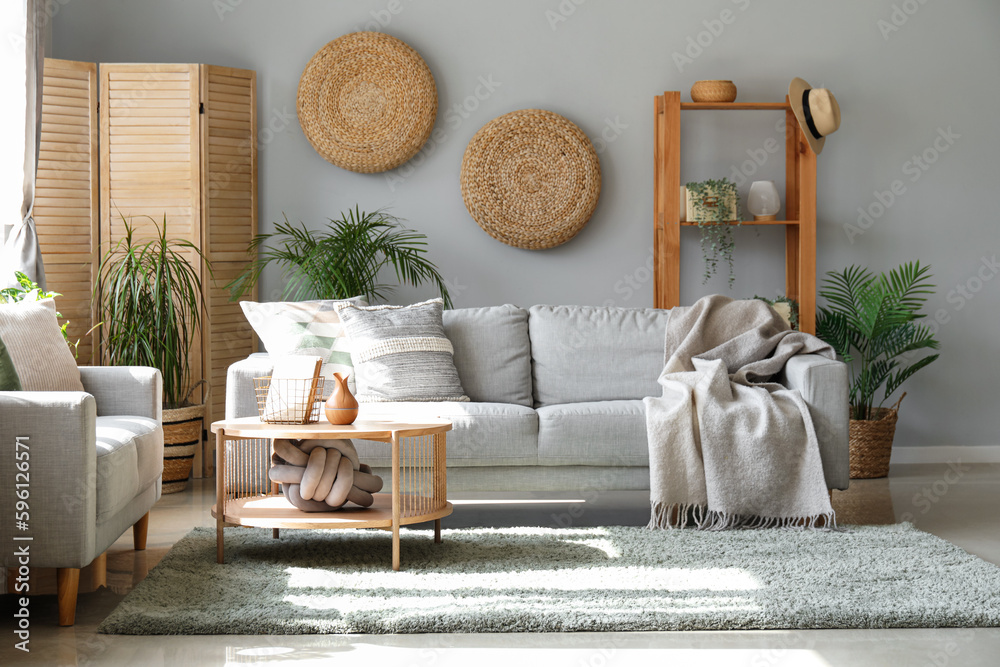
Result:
{"points": [[871, 321], [151, 299], [343, 260]]}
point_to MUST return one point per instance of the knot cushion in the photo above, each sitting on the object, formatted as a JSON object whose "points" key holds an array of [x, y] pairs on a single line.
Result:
{"points": [[322, 475]]}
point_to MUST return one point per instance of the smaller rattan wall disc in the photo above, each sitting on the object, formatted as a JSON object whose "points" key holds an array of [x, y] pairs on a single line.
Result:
{"points": [[531, 179], [367, 102]]}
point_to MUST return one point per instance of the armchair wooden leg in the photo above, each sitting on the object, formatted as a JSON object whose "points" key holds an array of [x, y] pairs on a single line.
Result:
{"points": [[139, 532], [68, 580]]}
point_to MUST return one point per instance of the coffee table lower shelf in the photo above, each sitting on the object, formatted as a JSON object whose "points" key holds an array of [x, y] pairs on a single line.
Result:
{"points": [[275, 512]]}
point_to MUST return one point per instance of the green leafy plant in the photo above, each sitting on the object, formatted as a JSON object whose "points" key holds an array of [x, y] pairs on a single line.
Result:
{"points": [[343, 260], [151, 299], [28, 289], [870, 321], [708, 199], [793, 307]]}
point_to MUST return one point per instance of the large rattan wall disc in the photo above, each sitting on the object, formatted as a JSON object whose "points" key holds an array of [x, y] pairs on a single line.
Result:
{"points": [[367, 102], [531, 179]]}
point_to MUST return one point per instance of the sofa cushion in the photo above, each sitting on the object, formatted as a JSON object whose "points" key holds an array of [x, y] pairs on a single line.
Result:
{"points": [[596, 433], [492, 353], [40, 357], [585, 353], [129, 458], [305, 327], [482, 433], [400, 353]]}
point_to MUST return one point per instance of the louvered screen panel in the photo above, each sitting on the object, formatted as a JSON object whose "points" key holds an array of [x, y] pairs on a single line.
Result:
{"points": [[66, 192], [229, 202], [150, 156]]}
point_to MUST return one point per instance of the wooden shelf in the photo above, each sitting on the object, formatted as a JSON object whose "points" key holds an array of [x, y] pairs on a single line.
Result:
{"points": [[747, 222], [800, 204], [732, 106]]}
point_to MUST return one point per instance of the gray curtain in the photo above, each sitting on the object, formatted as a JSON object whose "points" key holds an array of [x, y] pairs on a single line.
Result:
{"points": [[21, 251]]}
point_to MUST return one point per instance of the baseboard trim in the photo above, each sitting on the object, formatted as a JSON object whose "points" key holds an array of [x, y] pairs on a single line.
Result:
{"points": [[945, 454]]}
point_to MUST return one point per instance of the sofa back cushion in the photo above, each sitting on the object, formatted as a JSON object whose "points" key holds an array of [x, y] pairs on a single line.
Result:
{"points": [[595, 353], [492, 353]]}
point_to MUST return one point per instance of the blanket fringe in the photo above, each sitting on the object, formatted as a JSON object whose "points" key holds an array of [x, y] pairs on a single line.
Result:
{"points": [[699, 517]]}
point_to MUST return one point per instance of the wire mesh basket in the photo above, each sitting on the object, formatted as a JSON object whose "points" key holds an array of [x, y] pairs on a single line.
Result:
{"points": [[288, 400]]}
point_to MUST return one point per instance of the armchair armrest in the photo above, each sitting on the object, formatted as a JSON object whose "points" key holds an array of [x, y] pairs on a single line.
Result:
{"points": [[58, 430], [823, 385], [125, 390], [240, 398]]}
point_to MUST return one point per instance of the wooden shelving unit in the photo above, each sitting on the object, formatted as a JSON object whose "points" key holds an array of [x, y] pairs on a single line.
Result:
{"points": [[800, 204]]}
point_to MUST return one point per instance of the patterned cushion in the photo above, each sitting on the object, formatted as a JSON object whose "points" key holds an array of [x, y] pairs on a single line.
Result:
{"points": [[401, 353], [39, 354], [305, 327]]}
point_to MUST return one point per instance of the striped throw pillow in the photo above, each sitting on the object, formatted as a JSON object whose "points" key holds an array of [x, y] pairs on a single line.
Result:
{"points": [[305, 327], [401, 353], [39, 359]]}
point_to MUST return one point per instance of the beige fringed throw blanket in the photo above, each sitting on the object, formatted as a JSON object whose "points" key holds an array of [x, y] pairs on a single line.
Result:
{"points": [[729, 448]]}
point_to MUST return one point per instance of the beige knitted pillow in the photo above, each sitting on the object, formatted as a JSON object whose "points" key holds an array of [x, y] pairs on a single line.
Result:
{"points": [[30, 332]]}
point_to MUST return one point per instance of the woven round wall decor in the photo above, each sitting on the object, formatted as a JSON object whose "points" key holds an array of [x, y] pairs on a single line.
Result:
{"points": [[367, 102], [531, 179]]}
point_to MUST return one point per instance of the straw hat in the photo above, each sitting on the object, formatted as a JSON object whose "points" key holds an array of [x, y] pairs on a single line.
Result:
{"points": [[817, 111]]}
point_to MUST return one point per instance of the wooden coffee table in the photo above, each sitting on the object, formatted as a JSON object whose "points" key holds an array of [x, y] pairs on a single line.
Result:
{"points": [[247, 498]]}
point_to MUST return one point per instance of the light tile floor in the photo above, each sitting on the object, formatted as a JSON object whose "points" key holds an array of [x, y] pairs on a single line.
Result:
{"points": [[961, 506]]}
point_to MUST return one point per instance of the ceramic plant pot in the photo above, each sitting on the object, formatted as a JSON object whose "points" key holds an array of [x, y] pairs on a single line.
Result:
{"points": [[341, 408]]}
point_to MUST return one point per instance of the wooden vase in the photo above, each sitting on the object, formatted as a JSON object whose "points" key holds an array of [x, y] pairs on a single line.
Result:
{"points": [[341, 408]]}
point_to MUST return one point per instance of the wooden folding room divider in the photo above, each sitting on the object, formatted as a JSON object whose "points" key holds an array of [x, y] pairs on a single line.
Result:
{"points": [[174, 140]]}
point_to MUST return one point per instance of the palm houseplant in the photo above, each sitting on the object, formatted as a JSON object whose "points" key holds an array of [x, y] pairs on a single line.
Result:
{"points": [[151, 300], [349, 257], [871, 322]]}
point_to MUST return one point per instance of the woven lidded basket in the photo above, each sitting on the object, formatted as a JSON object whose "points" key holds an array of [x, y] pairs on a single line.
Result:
{"points": [[871, 443], [713, 90], [531, 179], [367, 102]]}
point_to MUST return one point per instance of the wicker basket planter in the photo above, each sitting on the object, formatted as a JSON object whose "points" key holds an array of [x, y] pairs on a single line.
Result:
{"points": [[181, 438], [871, 443]]}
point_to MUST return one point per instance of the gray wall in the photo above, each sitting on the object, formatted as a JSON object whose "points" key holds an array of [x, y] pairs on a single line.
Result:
{"points": [[902, 80]]}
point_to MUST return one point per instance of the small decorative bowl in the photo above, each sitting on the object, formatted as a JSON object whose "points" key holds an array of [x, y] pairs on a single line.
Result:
{"points": [[713, 90]]}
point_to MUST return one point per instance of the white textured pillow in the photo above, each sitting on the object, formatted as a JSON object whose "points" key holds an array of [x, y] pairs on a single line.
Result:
{"points": [[305, 327], [37, 349], [401, 353]]}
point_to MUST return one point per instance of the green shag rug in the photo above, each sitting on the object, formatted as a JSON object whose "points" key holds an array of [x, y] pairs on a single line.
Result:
{"points": [[552, 580]]}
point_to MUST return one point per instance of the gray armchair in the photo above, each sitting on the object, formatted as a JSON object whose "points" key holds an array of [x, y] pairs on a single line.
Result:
{"points": [[93, 468]]}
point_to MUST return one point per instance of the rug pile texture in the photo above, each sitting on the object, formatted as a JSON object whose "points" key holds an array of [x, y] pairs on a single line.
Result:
{"points": [[553, 580]]}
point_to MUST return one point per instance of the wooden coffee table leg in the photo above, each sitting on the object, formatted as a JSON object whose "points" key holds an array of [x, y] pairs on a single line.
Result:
{"points": [[437, 531], [220, 493], [395, 500]]}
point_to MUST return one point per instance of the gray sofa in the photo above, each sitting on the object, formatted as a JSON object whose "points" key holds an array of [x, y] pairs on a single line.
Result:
{"points": [[557, 399]]}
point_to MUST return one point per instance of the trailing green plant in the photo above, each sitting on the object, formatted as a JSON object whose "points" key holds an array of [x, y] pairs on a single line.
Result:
{"points": [[708, 200], [151, 299], [27, 289], [343, 260], [871, 321], [793, 307]]}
